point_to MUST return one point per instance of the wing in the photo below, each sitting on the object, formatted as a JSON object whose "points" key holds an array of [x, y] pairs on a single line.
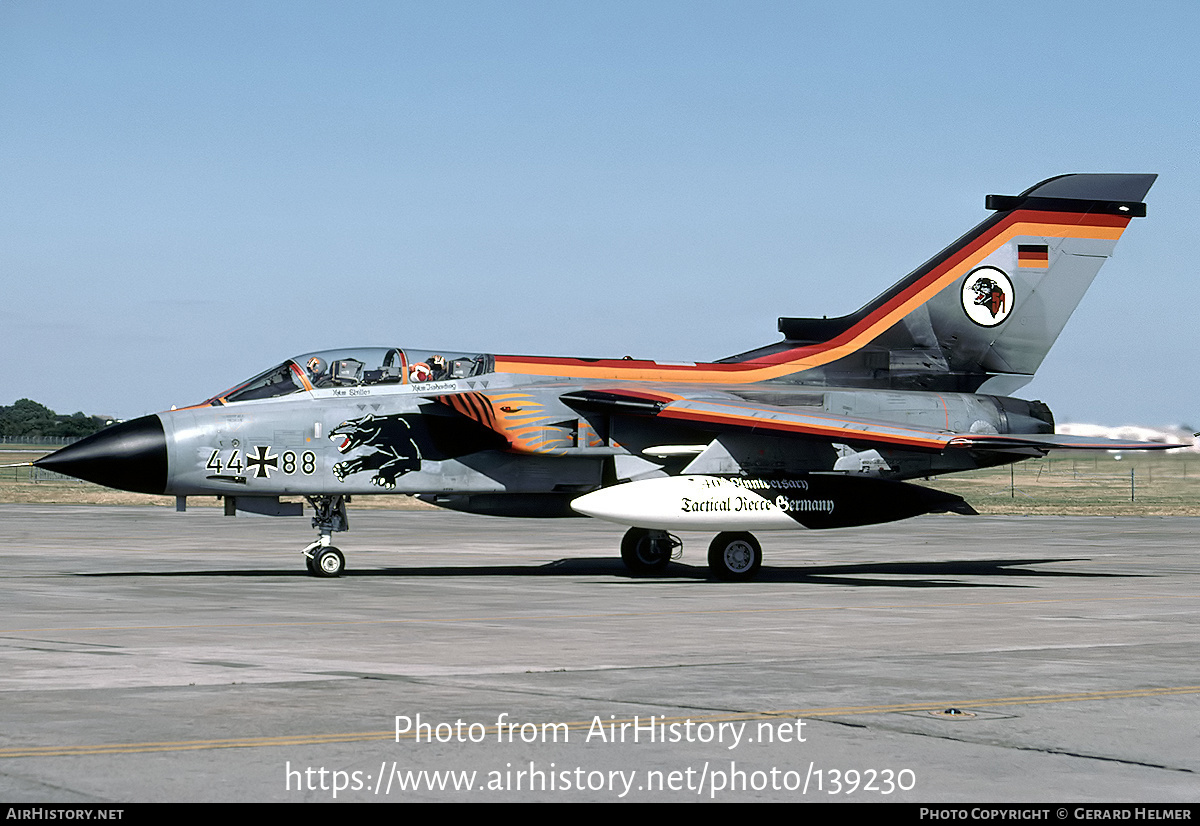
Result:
{"points": [[711, 412], [528, 423], [731, 413]]}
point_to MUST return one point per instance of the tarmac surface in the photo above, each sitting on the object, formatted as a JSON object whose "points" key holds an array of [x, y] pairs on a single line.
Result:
{"points": [[148, 655]]}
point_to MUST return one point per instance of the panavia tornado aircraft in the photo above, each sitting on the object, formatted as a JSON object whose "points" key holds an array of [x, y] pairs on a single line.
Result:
{"points": [[818, 430]]}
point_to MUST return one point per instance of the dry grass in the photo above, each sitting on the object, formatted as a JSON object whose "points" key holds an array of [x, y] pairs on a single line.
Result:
{"points": [[1083, 485]]}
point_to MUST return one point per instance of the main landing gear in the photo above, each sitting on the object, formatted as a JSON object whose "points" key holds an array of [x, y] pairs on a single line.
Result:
{"points": [[321, 558], [733, 556], [646, 552]]}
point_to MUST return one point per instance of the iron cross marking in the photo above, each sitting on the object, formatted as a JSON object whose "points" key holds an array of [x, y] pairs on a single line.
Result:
{"points": [[263, 463]]}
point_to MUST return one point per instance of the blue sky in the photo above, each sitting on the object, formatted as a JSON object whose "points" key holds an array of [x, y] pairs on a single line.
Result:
{"points": [[191, 192]]}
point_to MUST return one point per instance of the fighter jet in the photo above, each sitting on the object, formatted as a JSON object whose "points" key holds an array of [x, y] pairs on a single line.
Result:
{"points": [[823, 428]]}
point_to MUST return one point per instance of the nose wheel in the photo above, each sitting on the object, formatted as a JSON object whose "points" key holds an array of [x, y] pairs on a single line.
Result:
{"points": [[321, 558], [325, 561]]}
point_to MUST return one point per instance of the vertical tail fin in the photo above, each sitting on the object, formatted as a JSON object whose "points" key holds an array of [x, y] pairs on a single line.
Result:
{"points": [[985, 310]]}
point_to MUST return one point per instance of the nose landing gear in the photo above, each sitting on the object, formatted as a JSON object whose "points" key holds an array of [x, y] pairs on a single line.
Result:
{"points": [[321, 558]]}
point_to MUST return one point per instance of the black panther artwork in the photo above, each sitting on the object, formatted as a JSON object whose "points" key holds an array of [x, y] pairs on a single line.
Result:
{"points": [[396, 453]]}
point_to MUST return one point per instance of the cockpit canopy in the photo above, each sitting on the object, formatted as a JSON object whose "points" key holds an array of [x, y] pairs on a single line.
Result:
{"points": [[361, 367]]}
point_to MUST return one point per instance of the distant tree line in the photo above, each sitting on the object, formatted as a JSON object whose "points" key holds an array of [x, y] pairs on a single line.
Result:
{"points": [[26, 417]]}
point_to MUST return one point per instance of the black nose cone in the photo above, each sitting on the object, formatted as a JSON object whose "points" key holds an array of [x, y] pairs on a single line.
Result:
{"points": [[128, 456]]}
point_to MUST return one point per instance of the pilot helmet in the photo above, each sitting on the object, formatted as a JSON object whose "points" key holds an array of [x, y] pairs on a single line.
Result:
{"points": [[316, 366]]}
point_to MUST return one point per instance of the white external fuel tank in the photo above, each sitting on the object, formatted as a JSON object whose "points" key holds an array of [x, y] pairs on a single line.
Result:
{"points": [[715, 503]]}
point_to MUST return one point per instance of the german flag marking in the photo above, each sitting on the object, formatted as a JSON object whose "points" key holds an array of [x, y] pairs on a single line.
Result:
{"points": [[1033, 256]]}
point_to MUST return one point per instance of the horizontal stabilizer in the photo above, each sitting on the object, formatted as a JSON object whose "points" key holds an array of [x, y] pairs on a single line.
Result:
{"points": [[1052, 441]]}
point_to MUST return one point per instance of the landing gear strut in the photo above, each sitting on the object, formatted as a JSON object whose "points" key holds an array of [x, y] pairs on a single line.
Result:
{"points": [[646, 552], [321, 558]]}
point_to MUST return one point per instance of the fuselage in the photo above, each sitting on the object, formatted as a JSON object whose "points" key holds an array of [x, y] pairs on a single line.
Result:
{"points": [[507, 433]]}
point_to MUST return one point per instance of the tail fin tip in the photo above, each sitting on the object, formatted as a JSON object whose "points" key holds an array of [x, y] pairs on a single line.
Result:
{"points": [[1111, 193]]}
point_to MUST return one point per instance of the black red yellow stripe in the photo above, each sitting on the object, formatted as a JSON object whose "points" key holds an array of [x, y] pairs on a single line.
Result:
{"points": [[944, 271]]}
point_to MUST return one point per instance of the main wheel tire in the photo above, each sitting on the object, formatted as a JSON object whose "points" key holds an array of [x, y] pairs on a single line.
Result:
{"points": [[734, 556], [328, 562], [645, 552]]}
